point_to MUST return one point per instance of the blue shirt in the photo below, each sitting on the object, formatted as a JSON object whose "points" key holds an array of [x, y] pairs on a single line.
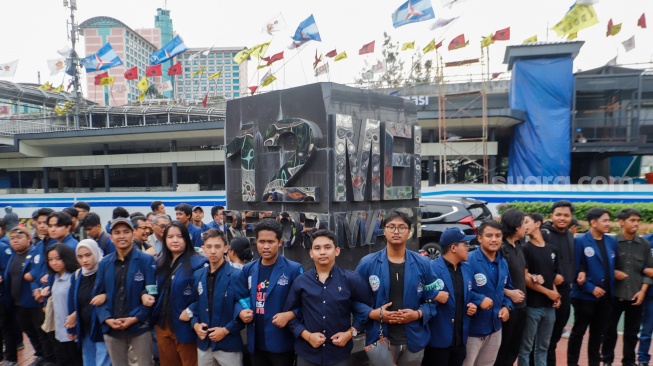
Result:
{"points": [[59, 290], [325, 308]]}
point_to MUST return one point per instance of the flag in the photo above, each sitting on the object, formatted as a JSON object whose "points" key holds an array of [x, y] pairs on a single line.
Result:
{"points": [[317, 60], [502, 35], [273, 58], [368, 48], [577, 18], [429, 47], [441, 23], [131, 74], [268, 78], [332, 53], [572, 36], [58, 89], [141, 96], [412, 11], [166, 86], [170, 50], [205, 100], [99, 77], [612, 62], [105, 58], [532, 39], [641, 22], [143, 85], [47, 86], [408, 46], [461, 63], [197, 73], [64, 51], [613, 30], [252, 89], [275, 24], [458, 42], [486, 41], [256, 51], [322, 69], [153, 70], [107, 81], [379, 67], [56, 66], [629, 44], [495, 75], [307, 31], [215, 76], [175, 69], [341, 56]]}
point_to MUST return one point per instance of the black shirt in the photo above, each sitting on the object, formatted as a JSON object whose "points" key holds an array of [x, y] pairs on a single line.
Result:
{"points": [[264, 274], [84, 296], [541, 261], [120, 297], [16, 274], [606, 265], [516, 265], [397, 332], [210, 284], [165, 315], [459, 295]]}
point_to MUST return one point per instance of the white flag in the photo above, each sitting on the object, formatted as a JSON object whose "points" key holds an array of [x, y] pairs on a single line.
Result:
{"points": [[629, 44], [56, 65], [7, 70], [379, 67], [166, 86], [441, 23], [277, 23], [322, 69], [64, 51]]}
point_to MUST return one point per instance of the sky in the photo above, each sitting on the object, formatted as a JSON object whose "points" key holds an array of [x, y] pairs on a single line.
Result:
{"points": [[35, 29]]}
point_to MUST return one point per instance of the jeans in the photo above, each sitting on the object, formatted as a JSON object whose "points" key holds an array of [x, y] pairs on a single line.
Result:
{"points": [[537, 334], [592, 314], [632, 322], [647, 329], [94, 353], [562, 317]]}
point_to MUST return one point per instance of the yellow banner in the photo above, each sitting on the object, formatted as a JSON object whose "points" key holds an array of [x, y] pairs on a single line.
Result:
{"points": [[578, 18]]}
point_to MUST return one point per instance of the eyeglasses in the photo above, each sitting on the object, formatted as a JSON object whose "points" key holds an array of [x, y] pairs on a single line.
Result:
{"points": [[162, 226], [463, 245], [144, 227], [400, 229]]}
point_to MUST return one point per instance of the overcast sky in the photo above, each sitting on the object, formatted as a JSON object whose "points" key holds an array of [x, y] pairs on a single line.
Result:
{"points": [[35, 29]]}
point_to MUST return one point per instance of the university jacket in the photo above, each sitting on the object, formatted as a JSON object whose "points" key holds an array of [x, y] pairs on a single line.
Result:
{"points": [[73, 305], [26, 299], [41, 267], [228, 290], [277, 340], [419, 293], [442, 324], [5, 255], [588, 256], [181, 291], [486, 322]]}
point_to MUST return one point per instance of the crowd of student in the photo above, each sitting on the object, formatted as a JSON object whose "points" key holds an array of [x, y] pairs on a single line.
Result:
{"points": [[148, 289]]}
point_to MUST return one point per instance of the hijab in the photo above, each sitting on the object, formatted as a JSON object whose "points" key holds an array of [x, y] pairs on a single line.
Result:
{"points": [[91, 245]]}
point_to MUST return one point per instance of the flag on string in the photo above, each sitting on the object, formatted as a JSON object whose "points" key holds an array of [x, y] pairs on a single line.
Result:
{"points": [[275, 24], [257, 51], [307, 31], [532, 39], [322, 69], [215, 76], [99, 77], [105, 58], [107, 81], [58, 89], [641, 22], [486, 41], [131, 74], [367, 48], [205, 100], [47, 86], [441, 23], [412, 11], [153, 70], [166, 86], [341, 56], [197, 73], [429, 47], [458, 42], [613, 29], [170, 50], [175, 69], [65, 51], [408, 46], [56, 65], [271, 59], [577, 18], [571, 36], [141, 96], [143, 85], [379, 67], [495, 75], [252, 89], [317, 60], [629, 44], [331, 54], [268, 78], [502, 35]]}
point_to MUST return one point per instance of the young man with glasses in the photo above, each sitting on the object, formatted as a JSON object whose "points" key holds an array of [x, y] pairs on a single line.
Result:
{"points": [[395, 275], [141, 232]]}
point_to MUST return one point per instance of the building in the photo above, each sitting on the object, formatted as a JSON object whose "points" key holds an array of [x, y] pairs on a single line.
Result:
{"points": [[163, 22]]}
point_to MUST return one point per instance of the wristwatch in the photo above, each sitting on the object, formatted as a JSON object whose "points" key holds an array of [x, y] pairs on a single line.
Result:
{"points": [[189, 313], [353, 331]]}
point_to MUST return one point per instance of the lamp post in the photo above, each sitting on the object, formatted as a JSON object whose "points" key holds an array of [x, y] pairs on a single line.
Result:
{"points": [[74, 60]]}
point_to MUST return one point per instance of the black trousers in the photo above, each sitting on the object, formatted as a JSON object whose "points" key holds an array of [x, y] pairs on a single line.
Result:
{"points": [[512, 332], [451, 356], [264, 358], [592, 314], [632, 322], [30, 321], [8, 333], [66, 353], [562, 316]]}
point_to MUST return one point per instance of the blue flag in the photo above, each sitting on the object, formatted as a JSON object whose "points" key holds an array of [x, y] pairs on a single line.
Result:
{"points": [[307, 31], [105, 58], [412, 11], [172, 49]]}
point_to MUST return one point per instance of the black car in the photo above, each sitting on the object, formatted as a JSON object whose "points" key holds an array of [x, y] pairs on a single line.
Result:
{"points": [[439, 214]]}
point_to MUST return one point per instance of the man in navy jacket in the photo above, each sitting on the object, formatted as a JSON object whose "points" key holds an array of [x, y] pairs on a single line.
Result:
{"points": [[595, 255]]}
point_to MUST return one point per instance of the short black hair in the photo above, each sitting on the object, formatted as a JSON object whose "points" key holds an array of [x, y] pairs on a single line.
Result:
{"points": [[573, 222], [627, 213], [185, 208], [135, 220], [42, 212], [214, 233], [269, 225], [488, 223], [120, 212], [595, 213], [215, 209], [155, 205], [137, 213], [72, 211], [536, 217], [562, 203], [511, 220], [326, 233], [83, 205], [63, 219], [393, 214], [66, 254], [90, 220]]}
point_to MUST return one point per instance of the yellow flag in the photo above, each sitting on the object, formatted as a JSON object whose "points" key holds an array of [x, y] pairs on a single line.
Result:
{"points": [[215, 76], [261, 66], [242, 56], [267, 79], [47, 86], [259, 50], [107, 81], [487, 40], [198, 72], [342, 55], [58, 89], [615, 29], [572, 36], [408, 46], [578, 18], [141, 97], [143, 85], [429, 47], [59, 111], [532, 39]]}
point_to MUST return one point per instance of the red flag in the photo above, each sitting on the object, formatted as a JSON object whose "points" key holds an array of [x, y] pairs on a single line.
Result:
{"points": [[206, 99], [438, 45], [175, 69], [502, 35], [368, 48], [331, 53], [641, 22], [153, 70], [457, 42], [273, 58], [98, 77], [610, 25], [131, 74], [495, 75], [317, 60], [252, 89]]}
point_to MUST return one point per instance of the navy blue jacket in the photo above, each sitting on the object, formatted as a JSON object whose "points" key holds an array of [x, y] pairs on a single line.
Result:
{"points": [[442, 324], [5, 255], [73, 305], [588, 256], [195, 235], [180, 297], [41, 268], [228, 289], [278, 340], [106, 245], [141, 272], [419, 291], [26, 299], [486, 322]]}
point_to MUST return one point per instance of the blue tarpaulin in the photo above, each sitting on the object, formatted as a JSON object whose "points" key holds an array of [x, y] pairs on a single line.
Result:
{"points": [[541, 147]]}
